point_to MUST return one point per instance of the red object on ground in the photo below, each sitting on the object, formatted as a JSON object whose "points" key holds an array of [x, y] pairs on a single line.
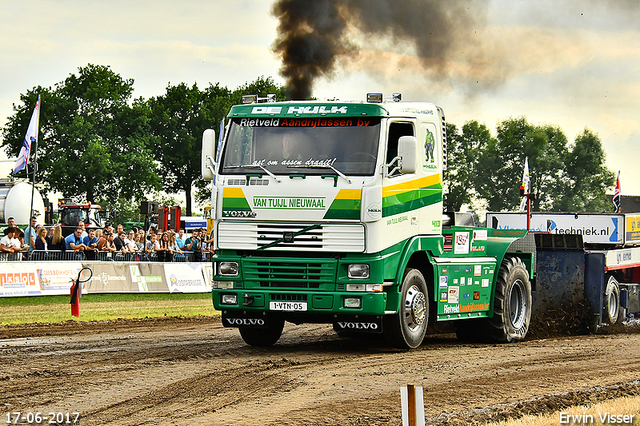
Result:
{"points": [[75, 305]]}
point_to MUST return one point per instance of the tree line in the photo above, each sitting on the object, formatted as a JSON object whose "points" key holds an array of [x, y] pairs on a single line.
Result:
{"points": [[97, 143], [485, 172]]}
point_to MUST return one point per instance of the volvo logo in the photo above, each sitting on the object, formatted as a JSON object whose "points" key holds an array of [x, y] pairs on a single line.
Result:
{"points": [[357, 325], [244, 321], [238, 213]]}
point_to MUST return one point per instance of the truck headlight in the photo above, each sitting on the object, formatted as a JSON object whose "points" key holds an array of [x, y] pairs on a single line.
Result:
{"points": [[229, 299], [352, 302], [228, 269], [358, 270]]}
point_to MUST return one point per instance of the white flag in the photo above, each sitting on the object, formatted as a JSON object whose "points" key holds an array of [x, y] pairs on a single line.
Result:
{"points": [[525, 184], [30, 137]]}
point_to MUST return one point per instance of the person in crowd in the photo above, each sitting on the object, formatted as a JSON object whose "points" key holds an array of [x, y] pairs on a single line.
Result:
{"points": [[19, 244], [139, 240], [118, 240], [11, 222], [6, 244], [91, 244], [163, 248], [150, 247], [152, 230], [105, 243], [180, 238], [74, 243], [84, 229], [130, 242], [30, 234], [192, 244], [42, 243], [57, 244], [207, 243], [173, 245]]}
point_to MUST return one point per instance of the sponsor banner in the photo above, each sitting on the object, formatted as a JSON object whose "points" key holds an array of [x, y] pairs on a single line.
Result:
{"points": [[148, 277], [185, 278], [55, 277], [632, 229], [19, 281], [594, 228], [110, 277], [207, 274]]}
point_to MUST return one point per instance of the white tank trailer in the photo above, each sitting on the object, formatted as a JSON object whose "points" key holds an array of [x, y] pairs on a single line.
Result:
{"points": [[15, 201]]}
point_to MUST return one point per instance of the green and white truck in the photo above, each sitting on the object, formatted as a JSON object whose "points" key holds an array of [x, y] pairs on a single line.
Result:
{"points": [[331, 212]]}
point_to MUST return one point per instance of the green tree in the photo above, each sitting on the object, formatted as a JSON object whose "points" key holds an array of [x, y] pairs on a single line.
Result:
{"points": [[218, 104], [501, 163], [92, 142], [463, 150], [588, 177], [178, 119]]}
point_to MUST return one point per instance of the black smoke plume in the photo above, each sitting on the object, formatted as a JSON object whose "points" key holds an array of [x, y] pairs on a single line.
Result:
{"points": [[313, 35]]}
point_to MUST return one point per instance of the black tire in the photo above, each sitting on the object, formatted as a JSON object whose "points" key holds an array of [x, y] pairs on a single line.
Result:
{"points": [[512, 304], [263, 337], [407, 328], [612, 301]]}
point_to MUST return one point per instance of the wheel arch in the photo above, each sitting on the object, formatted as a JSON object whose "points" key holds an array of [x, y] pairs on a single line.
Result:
{"points": [[422, 261]]}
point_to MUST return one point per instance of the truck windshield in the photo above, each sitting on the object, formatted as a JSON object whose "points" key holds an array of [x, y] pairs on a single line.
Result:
{"points": [[285, 146]]}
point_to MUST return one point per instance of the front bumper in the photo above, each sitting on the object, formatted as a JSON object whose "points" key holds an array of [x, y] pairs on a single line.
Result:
{"points": [[315, 303]]}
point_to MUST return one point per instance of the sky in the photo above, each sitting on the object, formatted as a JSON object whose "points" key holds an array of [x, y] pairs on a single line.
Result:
{"points": [[571, 64]]}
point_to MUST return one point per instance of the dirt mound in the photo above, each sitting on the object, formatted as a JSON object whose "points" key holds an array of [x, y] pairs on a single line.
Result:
{"points": [[71, 327]]}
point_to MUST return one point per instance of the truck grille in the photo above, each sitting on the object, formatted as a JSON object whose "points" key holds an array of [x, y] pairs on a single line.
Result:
{"points": [[278, 273], [327, 237], [288, 297]]}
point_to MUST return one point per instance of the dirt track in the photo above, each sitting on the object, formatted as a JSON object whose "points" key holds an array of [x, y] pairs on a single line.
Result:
{"points": [[194, 371]]}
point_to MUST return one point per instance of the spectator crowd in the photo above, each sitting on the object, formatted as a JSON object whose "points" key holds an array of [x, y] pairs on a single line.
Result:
{"points": [[38, 242]]}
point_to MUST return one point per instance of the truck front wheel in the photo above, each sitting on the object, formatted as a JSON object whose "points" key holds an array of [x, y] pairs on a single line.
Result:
{"points": [[263, 337], [406, 329], [512, 303]]}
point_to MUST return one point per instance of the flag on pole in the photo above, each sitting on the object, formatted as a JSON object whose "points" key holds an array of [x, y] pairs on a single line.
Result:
{"points": [[525, 185], [30, 137], [616, 195]]}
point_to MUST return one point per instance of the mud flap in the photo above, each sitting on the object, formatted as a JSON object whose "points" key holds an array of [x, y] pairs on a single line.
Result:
{"points": [[246, 319], [359, 323]]}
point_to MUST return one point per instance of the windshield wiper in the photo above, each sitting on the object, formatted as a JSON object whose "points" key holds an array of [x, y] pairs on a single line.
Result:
{"points": [[254, 166], [323, 166]]}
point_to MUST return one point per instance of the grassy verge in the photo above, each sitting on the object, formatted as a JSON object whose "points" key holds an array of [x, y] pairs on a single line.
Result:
{"points": [[101, 307], [589, 414]]}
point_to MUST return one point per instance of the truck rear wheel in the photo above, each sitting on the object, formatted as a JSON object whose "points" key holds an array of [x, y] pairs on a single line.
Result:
{"points": [[612, 301], [406, 329], [263, 337], [512, 303]]}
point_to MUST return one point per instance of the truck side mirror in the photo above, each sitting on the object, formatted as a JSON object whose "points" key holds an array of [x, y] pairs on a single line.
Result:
{"points": [[208, 157], [407, 151]]}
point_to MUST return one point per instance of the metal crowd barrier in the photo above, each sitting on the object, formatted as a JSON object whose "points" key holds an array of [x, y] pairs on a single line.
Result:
{"points": [[105, 256]]}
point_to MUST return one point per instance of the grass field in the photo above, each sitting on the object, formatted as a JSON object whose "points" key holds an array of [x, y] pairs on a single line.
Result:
{"points": [[591, 414], [100, 307]]}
